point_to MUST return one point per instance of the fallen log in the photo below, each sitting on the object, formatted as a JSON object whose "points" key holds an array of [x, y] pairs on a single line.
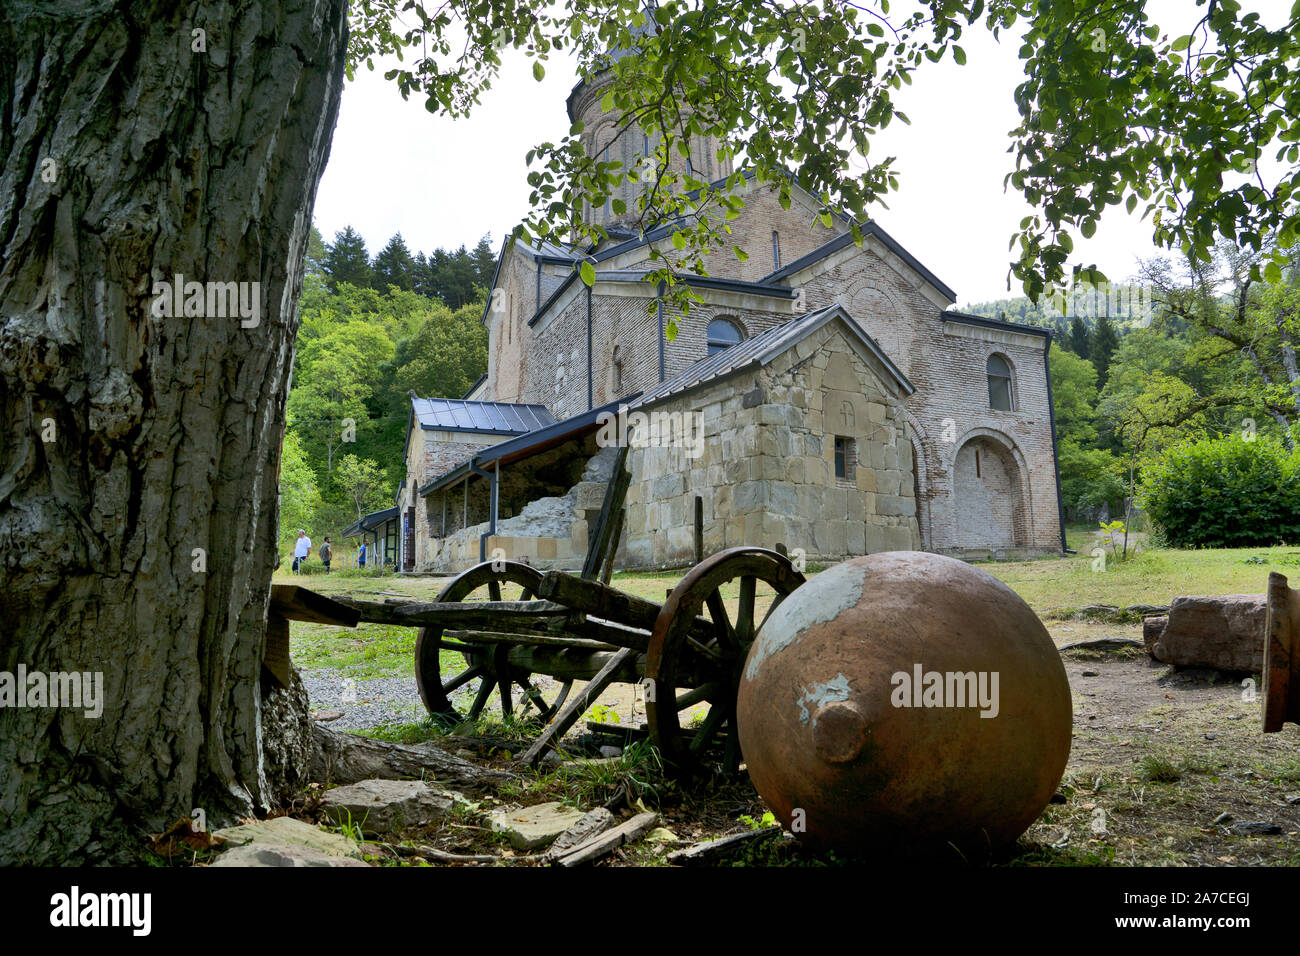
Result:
{"points": [[339, 758]]}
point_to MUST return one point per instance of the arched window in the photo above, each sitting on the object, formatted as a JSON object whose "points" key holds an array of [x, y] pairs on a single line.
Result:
{"points": [[723, 334], [1001, 394]]}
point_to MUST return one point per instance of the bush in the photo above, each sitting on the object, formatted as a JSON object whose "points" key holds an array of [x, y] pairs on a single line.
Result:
{"points": [[1225, 493]]}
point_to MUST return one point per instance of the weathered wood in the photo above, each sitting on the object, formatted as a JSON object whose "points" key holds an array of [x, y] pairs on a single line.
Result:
{"points": [[568, 664], [347, 758], [576, 707], [442, 856], [699, 529], [611, 840], [528, 640], [521, 617], [598, 599], [608, 571], [601, 540], [722, 847], [639, 732], [302, 604]]}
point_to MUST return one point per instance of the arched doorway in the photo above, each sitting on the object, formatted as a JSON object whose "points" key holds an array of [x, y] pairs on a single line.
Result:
{"points": [[988, 495]]}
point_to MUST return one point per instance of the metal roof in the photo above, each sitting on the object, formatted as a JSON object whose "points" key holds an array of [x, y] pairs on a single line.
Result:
{"points": [[762, 348], [500, 418], [514, 449], [372, 520]]}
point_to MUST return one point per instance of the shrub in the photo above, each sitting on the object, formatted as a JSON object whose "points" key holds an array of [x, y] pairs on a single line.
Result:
{"points": [[1225, 493]]}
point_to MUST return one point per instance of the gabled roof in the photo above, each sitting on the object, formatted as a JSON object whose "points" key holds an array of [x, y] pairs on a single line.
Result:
{"points": [[764, 347], [500, 418], [870, 229]]}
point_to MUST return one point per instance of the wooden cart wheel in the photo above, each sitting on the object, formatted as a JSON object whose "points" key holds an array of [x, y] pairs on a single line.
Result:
{"points": [[486, 669], [722, 653]]}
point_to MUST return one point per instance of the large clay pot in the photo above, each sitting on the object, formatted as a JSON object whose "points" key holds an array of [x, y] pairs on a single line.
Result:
{"points": [[905, 701]]}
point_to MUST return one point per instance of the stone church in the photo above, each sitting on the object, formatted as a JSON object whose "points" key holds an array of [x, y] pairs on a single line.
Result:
{"points": [[843, 407]]}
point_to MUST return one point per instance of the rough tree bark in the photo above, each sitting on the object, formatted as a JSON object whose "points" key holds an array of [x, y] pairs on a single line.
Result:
{"points": [[128, 155]]}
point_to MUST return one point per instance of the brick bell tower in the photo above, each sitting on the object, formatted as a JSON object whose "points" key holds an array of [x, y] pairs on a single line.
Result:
{"points": [[605, 138]]}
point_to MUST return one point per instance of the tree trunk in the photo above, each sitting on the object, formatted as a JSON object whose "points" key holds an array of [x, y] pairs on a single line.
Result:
{"points": [[139, 541]]}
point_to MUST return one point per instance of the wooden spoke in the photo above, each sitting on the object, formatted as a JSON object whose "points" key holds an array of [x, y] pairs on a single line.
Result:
{"points": [[481, 698], [721, 623], [708, 728], [461, 679], [745, 629]]}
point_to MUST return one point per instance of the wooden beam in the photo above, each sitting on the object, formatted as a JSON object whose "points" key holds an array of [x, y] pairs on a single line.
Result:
{"points": [[598, 599], [302, 604], [577, 706], [599, 541], [611, 840]]}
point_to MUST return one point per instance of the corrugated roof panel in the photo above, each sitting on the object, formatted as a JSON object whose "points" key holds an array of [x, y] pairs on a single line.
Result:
{"points": [[497, 418]]}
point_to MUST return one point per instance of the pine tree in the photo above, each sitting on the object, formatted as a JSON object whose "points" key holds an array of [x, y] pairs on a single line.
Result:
{"points": [[485, 262], [315, 260], [348, 261], [1080, 340], [394, 266], [1104, 343]]}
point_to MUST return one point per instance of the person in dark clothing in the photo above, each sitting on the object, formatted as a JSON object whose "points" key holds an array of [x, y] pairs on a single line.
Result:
{"points": [[326, 552]]}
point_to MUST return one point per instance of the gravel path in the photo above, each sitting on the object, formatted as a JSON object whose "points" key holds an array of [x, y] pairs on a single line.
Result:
{"points": [[370, 703]]}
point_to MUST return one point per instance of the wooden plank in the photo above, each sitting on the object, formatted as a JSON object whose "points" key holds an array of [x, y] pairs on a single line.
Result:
{"points": [[511, 617], [722, 847], [611, 840], [599, 542], [598, 599], [699, 529], [528, 640], [577, 706], [302, 604]]}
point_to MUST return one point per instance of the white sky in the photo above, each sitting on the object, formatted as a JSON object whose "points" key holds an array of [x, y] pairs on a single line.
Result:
{"points": [[396, 167]]}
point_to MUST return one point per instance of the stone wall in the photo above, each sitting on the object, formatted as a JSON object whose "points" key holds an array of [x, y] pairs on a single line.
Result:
{"points": [[946, 360], [767, 474]]}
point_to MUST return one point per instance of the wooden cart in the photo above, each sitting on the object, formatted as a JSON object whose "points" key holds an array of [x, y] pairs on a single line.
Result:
{"points": [[507, 622]]}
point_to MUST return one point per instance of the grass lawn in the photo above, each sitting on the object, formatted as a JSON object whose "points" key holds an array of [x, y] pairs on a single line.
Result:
{"points": [[1051, 586]]}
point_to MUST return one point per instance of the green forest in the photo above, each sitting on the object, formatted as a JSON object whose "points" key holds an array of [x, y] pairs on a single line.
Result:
{"points": [[371, 331]]}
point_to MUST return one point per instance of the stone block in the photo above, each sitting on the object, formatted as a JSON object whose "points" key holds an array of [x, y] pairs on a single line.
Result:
{"points": [[534, 827], [286, 831], [383, 806], [1225, 632], [261, 855]]}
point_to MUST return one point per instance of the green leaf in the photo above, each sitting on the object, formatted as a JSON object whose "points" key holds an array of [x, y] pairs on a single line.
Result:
{"points": [[1272, 273], [959, 55], [1182, 43], [679, 239], [607, 101], [741, 254], [539, 71], [1088, 227], [588, 273]]}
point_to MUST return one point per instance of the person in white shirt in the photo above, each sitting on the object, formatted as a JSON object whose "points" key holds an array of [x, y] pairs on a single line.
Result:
{"points": [[301, 549]]}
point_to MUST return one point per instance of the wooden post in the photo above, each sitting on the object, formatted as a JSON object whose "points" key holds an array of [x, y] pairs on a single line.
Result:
{"points": [[699, 529]]}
